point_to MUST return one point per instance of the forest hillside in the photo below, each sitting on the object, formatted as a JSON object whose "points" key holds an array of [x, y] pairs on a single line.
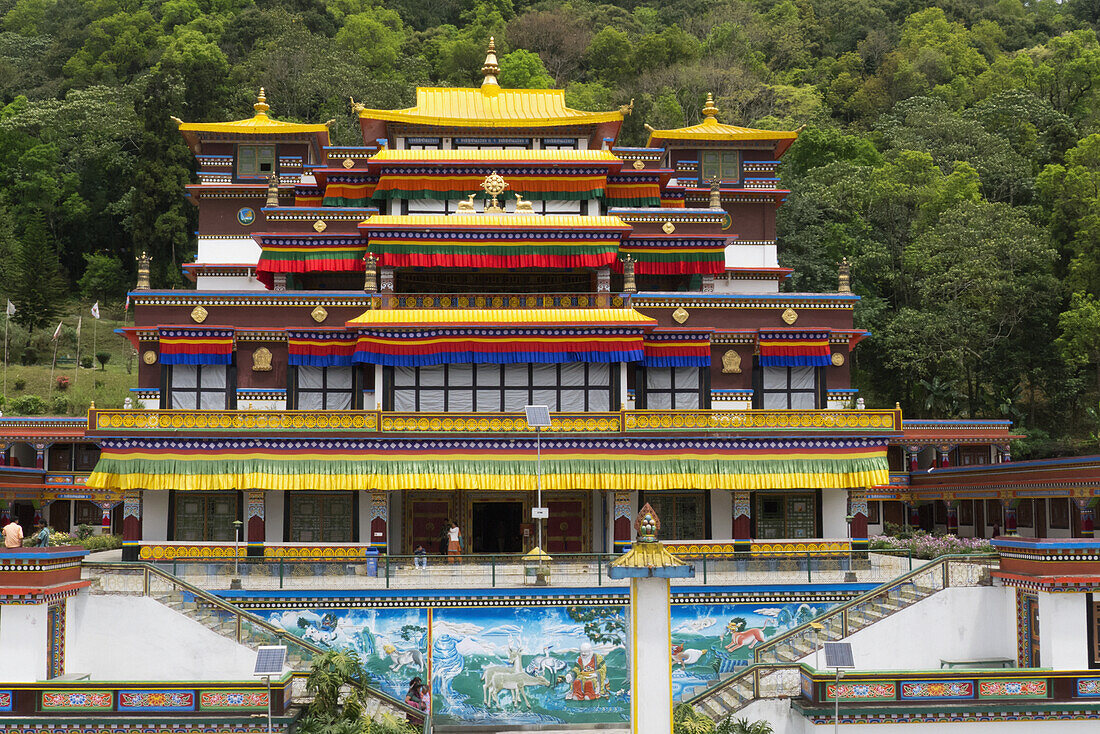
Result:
{"points": [[951, 152]]}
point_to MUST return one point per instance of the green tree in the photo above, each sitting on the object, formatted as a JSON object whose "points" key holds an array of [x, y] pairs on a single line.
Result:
{"points": [[524, 70], [104, 278], [39, 291], [375, 36]]}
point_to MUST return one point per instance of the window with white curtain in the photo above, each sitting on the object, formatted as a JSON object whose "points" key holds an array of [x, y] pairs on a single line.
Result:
{"points": [[450, 206], [573, 386], [198, 386], [789, 388], [673, 388], [323, 388]]}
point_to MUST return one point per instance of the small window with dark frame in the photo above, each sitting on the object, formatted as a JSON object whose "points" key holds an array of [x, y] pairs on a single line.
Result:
{"points": [[198, 387], [790, 388], [324, 388], [255, 161], [673, 388], [723, 165]]}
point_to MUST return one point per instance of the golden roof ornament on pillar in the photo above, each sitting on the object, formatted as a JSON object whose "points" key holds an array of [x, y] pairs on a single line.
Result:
{"points": [[490, 68], [630, 285], [844, 276], [144, 264], [715, 193], [261, 105], [710, 110], [272, 191]]}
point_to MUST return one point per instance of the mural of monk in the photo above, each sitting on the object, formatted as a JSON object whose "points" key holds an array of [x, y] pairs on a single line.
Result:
{"points": [[588, 677]]}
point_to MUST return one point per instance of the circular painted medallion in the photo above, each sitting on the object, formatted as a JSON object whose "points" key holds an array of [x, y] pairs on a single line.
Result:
{"points": [[246, 217]]}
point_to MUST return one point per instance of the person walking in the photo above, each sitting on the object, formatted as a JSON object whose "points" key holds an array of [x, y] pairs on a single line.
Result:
{"points": [[13, 535], [454, 544]]}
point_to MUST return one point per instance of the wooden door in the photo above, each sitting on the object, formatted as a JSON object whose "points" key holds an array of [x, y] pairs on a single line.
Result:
{"points": [[1040, 517], [427, 517], [565, 527], [893, 513]]}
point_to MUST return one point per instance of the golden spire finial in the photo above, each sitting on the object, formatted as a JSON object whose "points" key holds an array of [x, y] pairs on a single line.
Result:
{"points": [[710, 111], [490, 68], [261, 106]]}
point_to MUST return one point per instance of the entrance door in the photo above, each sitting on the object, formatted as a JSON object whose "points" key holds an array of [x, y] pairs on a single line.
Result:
{"points": [[893, 513], [565, 528], [427, 518], [781, 516], [495, 527]]}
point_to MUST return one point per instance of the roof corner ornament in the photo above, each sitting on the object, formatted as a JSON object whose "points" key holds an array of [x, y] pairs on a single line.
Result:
{"points": [[272, 191], [626, 109], [175, 119], [357, 107], [491, 67], [710, 110], [494, 185], [261, 105], [715, 193], [330, 123], [844, 276]]}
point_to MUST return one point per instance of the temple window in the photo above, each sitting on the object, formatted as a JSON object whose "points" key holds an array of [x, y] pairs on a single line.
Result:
{"points": [[673, 388], [321, 517], [204, 516], [323, 388], [87, 455], [560, 144], [255, 161], [793, 388], [724, 165], [785, 515], [684, 515], [87, 513], [198, 387], [492, 143], [423, 143], [450, 206], [573, 386]]}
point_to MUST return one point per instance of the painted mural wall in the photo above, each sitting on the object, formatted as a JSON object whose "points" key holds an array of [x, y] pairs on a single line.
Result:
{"points": [[711, 639], [490, 665]]}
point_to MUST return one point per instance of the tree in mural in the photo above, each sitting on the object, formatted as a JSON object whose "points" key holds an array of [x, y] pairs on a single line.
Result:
{"points": [[602, 625]]}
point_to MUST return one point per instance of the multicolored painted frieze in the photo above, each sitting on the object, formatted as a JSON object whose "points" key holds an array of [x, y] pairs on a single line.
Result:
{"points": [[232, 700], [881, 691], [1023, 688], [156, 700], [6, 698], [1088, 687], [77, 700], [937, 689]]}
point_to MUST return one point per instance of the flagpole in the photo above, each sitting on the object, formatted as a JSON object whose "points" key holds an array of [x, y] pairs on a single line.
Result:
{"points": [[7, 320], [76, 372], [56, 341], [95, 328]]}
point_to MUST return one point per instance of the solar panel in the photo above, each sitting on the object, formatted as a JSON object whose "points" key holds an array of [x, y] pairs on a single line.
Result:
{"points": [[839, 655], [537, 416], [270, 660]]}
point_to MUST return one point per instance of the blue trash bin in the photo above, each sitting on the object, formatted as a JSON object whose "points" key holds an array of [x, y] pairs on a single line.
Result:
{"points": [[372, 561]]}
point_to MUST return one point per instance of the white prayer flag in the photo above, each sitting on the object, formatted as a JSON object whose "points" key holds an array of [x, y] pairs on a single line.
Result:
{"points": [[11, 308], [95, 309], [57, 331]]}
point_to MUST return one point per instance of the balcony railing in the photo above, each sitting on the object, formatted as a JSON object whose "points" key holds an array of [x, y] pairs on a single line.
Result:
{"points": [[225, 422], [507, 300]]}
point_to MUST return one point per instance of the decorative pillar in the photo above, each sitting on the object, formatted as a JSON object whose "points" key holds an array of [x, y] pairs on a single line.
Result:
{"points": [[106, 508], [944, 453], [370, 273], [40, 455], [742, 521], [131, 525], [255, 527], [629, 284], [857, 511], [55, 642], [650, 568], [912, 513], [5, 457], [379, 520], [624, 508], [952, 517], [913, 452], [1009, 508], [708, 283], [5, 512], [603, 287], [386, 280], [1085, 510], [278, 282]]}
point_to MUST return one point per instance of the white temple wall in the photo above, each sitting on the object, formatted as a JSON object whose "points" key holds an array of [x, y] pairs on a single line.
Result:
{"points": [[834, 510], [154, 515], [1062, 632], [23, 640], [228, 251], [273, 515], [721, 514]]}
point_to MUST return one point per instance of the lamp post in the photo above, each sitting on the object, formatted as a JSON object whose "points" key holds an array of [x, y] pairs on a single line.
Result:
{"points": [[850, 575], [538, 417], [235, 583]]}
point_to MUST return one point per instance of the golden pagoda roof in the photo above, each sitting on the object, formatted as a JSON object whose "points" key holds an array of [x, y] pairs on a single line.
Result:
{"points": [[711, 129], [418, 317], [258, 124], [501, 221], [490, 106], [521, 156]]}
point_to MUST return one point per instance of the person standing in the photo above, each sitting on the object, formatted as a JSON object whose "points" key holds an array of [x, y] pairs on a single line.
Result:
{"points": [[454, 544], [13, 535], [445, 537]]}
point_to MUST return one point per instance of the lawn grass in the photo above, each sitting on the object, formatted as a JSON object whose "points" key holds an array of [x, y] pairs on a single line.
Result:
{"points": [[107, 387]]}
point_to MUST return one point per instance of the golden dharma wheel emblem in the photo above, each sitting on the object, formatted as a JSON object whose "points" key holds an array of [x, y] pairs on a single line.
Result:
{"points": [[319, 314], [680, 315], [150, 357], [668, 227], [320, 226], [789, 316], [349, 163], [837, 359], [199, 314], [638, 165]]}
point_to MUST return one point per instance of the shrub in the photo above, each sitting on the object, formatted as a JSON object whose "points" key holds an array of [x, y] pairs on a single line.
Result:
{"points": [[28, 405], [60, 405], [84, 531], [927, 546], [63, 382], [104, 358], [102, 542], [86, 362], [20, 384]]}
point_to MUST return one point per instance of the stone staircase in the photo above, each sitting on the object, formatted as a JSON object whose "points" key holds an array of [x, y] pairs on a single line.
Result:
{"points": [[775, 673]]}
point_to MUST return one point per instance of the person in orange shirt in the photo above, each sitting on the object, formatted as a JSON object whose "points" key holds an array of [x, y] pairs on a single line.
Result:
{"points": [[13, 535]]}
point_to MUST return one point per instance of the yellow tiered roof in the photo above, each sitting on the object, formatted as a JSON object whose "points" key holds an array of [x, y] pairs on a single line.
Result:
{"points": [[258, 124], [417, 317], [519, 221], [711, 129], [521, 156], [490, 106]]}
